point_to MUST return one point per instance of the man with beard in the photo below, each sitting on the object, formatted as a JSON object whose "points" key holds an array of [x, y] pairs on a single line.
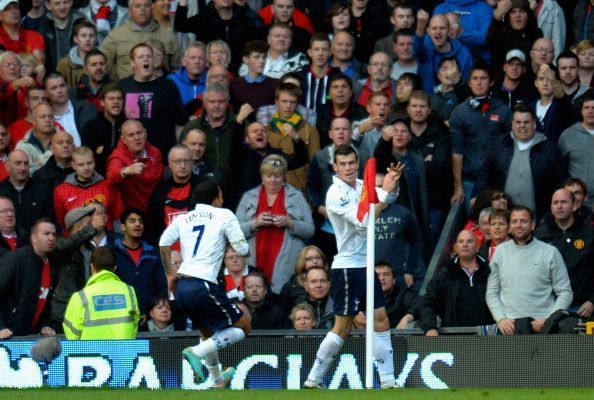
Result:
{"points": [[567, 64], [94, 78]]}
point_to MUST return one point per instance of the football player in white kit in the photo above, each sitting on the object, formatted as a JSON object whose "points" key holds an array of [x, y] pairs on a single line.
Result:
{"points": [[348, 271], [203, 233]]}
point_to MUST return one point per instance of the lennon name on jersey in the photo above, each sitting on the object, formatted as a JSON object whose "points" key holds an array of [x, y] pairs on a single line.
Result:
{"points": [[190, 217]]}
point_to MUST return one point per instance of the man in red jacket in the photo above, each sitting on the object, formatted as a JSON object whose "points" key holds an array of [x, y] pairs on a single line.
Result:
{"points": [[85, 186], [135, 167]]}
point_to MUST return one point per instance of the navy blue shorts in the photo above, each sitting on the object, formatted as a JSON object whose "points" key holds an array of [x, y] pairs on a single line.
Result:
{"points": [[348, 291], [206, 304]]}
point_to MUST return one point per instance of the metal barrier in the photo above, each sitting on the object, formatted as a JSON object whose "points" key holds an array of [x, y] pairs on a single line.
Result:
{"points": [[453, 224]]}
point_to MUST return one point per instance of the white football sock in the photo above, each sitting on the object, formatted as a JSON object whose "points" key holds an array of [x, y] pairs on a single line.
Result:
{"points": [[384, 355], [328, 350], [219, 340]]}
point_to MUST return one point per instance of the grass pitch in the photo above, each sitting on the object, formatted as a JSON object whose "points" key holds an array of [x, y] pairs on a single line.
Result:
{"points": [[408, 394]]}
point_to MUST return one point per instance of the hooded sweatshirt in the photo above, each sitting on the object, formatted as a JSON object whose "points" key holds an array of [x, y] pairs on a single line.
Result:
{"points": [[429, 59]]}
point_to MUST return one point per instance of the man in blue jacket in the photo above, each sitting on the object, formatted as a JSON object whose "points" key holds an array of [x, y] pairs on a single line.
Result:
{"points": [[434, 45], [475, 18], [191, 78], [139, 264]]}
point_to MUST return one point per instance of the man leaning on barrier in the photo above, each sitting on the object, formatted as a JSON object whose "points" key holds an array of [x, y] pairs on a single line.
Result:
{"points": [[106, 308], [456, 293]]}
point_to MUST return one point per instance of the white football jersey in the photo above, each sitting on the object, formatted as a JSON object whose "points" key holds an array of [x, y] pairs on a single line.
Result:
{"points": [[203, 234]]}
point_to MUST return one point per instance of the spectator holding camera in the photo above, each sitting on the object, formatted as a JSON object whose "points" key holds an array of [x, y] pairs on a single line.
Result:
{"points": [[275, 219]]}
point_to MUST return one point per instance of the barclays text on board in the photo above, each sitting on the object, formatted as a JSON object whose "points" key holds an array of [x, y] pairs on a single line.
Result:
{"points": [[283, 362]]}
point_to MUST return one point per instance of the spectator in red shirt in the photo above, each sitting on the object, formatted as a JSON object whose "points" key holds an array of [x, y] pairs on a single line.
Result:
{"points": [[10, 238], [19, 128], [12, 88], [13, 37], [85, 186], [379, 69], [135, 167]]}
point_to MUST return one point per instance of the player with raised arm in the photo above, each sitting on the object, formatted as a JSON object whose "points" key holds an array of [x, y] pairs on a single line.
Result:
{"points": [[203, 233], [348, 269]]}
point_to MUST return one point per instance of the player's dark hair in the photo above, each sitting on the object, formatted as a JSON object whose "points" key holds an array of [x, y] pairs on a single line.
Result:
{"points": [[204, 193], [345, 150], [129, 211]]}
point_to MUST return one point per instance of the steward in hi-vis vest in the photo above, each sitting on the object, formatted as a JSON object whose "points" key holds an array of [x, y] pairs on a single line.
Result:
{"points": [[106, 308]]}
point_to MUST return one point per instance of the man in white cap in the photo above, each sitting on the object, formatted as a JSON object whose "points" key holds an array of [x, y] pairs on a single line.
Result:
{"points": [[514, 87]]}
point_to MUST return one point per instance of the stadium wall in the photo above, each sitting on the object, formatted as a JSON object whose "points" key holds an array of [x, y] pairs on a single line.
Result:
{"points": [[283, 362]]}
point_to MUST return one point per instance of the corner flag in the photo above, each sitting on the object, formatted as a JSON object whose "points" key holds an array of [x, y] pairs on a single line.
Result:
{"points": [[368, 195]]}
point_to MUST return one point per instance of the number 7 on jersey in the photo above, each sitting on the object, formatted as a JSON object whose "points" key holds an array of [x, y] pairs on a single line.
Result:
{"points": [[200, 230]]}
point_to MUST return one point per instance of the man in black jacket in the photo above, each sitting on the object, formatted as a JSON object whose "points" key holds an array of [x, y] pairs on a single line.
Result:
{"points": [[574, 240], [59, 165], [27, 279], [456, 293], [525, 164], [32, 200], [266, 314]]}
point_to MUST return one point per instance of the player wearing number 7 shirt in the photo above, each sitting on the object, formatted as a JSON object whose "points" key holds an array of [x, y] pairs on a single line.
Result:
{"points": [[203, 233]]}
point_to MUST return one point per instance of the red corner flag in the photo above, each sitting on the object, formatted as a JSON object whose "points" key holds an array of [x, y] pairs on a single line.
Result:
{"points": [[368, 195]]}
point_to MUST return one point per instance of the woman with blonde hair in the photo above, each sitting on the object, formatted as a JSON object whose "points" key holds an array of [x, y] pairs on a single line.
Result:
{"points": [[585, 53], [275, 219], [303, 317], [293, 291]]}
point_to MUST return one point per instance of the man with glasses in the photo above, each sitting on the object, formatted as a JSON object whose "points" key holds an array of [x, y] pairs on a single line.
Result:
{"points": [[542, 52], [317, 289], [172, 195], [379, 69], [12, 87], [13, 37]]}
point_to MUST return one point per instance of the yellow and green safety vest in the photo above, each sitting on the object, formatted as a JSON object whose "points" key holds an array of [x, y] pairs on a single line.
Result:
{"points": [[105, 309]]}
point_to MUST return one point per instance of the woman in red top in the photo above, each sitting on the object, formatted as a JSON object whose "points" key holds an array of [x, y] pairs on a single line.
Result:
{"points": [[494, 198]]}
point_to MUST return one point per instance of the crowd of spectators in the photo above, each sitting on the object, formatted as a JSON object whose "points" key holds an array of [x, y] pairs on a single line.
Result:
{"points": [[112, 111]]}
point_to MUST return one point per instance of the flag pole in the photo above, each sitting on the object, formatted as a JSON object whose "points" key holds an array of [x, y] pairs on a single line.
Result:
{"points": [[369, 312]]}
